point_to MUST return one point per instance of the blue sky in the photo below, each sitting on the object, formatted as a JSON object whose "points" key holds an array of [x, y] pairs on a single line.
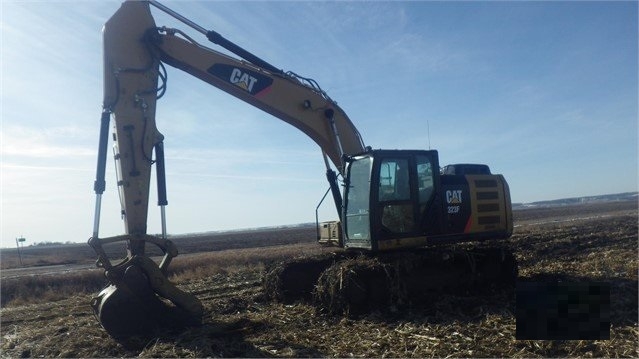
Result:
{"points": [[543, 92]]}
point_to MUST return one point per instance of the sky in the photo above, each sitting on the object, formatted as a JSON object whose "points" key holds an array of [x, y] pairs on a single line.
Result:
{"points": [[545, 93]]}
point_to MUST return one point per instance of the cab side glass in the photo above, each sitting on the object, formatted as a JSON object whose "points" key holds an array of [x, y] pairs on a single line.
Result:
{"points": [[358, 199]]}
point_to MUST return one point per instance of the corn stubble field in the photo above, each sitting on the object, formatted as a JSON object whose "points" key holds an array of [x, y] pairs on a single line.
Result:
{"points": [[585, 243]]}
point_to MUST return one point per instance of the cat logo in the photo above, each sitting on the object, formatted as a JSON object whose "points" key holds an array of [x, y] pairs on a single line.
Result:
{"points": [[243, 80], [253, 82], [454, 197]]}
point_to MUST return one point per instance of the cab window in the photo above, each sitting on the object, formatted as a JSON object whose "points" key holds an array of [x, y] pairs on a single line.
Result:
{"points": [[394, 195], [424, 179], [394, 182]]}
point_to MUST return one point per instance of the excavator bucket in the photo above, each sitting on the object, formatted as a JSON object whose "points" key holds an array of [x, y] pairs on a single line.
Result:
{"points": [[131, 307], [140, 298]]}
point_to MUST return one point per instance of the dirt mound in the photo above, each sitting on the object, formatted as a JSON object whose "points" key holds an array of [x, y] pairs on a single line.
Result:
{"points": [[354, 286], [295, 279], [401, 280]]}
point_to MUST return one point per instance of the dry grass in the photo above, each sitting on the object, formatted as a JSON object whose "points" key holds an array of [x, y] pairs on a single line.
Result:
{"points": [[197, 266], [38, 288], [48, 288], [240, 322], [37, 256]]}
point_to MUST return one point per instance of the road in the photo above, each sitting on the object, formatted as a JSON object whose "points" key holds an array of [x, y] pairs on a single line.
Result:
{"points": [[44, 270]]}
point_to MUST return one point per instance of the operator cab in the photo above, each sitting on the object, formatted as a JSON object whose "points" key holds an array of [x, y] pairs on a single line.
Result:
{"points": [[389, 195], [399, 199]]}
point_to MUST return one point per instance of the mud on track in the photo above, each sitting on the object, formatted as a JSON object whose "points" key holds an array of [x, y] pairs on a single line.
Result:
{"points": [[240, 322]]}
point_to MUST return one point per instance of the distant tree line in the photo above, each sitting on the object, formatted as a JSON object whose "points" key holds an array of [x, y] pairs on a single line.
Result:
{"points": [[48, 243]]}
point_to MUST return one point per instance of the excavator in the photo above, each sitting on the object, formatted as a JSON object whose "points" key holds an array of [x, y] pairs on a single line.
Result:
{"points": [[393, 204]]}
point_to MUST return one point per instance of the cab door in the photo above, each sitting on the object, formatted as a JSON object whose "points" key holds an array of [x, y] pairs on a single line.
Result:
{"points": [[403, 193], [396, 214], [357, 194]]}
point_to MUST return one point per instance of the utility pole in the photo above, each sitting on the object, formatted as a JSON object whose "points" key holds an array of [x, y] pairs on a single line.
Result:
{"points": [[19, 241]]}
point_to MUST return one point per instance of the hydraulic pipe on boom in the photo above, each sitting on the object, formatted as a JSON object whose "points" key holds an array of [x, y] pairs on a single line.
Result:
{"points": [[218, 39]]}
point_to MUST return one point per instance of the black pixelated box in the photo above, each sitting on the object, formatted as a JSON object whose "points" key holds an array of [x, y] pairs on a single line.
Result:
{"points": [[562, 311]]}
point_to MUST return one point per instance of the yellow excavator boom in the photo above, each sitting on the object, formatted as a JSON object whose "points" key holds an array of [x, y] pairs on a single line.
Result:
{"points": [[135, 51]]}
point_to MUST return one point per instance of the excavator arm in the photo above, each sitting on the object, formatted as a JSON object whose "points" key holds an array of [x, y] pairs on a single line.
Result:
{"points": [[135, 51]]}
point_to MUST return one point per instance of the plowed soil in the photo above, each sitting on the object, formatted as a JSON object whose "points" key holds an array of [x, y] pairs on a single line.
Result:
{"points": [[586, 243]]}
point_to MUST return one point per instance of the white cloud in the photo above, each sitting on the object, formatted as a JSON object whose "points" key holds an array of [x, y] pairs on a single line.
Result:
{"points": [[56, 142]]}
